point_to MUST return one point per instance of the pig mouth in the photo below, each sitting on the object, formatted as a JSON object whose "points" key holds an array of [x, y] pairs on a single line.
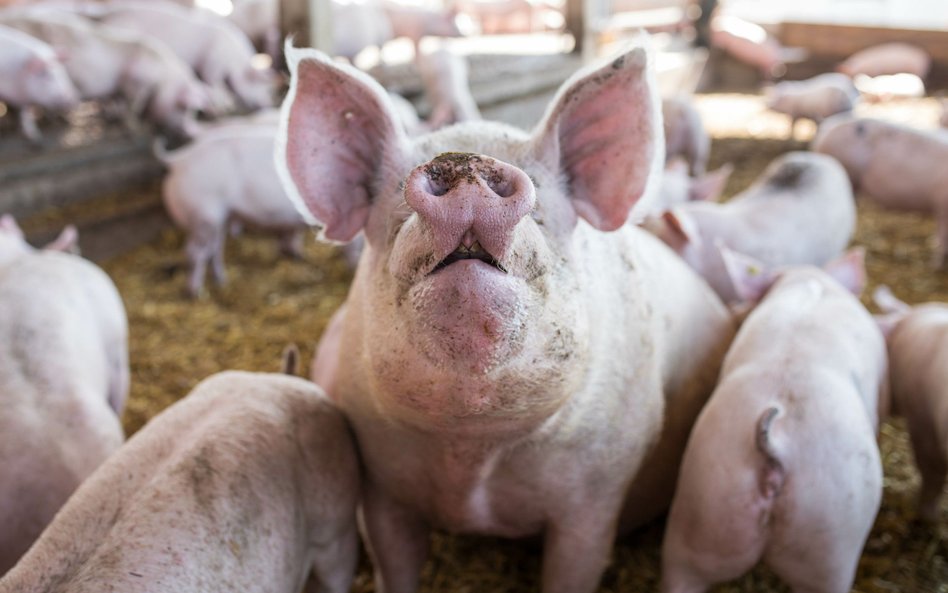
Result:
{"points": [[462, 252]]}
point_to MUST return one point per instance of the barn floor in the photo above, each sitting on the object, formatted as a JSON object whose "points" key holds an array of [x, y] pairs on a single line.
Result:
{"points": [[272, 301]]}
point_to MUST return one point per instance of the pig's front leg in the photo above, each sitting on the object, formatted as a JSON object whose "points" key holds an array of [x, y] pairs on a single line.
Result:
{"points": [[397, 541], [28, 125], [577, 546]]}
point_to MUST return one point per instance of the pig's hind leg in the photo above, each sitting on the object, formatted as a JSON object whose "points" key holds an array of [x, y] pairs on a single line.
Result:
{"points": [[203, 245]]}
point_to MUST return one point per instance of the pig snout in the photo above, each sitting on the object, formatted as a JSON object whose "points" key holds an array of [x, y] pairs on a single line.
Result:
{"points": [[471, 204]]}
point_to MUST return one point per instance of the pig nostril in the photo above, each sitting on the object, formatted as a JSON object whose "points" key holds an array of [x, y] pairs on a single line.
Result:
{"points": [[502, 187], [435, 188]]}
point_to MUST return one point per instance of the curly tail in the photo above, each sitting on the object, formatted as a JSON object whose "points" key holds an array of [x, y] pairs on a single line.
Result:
{"points": [[772, 477]]}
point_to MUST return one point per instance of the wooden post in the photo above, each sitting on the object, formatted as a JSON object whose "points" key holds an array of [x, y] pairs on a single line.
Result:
{"points": [[309, 21]]}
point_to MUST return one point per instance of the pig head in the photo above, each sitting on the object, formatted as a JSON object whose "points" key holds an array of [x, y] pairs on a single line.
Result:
{"points": [[495, 335]]}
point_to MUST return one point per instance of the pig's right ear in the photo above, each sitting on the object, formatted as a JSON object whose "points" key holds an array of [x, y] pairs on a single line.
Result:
{"points": [[66, 242], [888, 302], [338, 129], [751, 278], [604, 132]]}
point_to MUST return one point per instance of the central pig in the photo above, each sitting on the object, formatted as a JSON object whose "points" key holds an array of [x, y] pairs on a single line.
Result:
{"points": [[514, 357]]}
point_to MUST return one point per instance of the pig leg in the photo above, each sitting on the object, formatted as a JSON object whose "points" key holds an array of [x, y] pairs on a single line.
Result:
{"points": [[217, 258], [200, 249], [291, 244], [575, 555], [930, 457], [397, 542], [28, 125], [335, 564]]}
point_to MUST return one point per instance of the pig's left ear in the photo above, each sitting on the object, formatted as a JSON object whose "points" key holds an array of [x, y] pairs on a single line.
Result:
{"points": [[849, 269], [67, 241], [8, 224], [337, 130], [604, 132], [751, 278]]}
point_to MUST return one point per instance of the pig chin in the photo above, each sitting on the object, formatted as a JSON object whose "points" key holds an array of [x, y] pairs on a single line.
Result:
{"points": [[468, 316]]}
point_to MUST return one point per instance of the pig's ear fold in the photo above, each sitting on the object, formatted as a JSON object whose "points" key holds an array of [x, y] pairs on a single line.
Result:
{"points": [[751, 278], [682, 226], [338, 129], [8, 225], [710, 186], [888, 302], [67, 241], [604, 132], [849, 269]]}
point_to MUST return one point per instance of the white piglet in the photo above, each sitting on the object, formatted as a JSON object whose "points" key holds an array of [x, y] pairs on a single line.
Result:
{"points": [[31, 75], [63, 381], [227, 175], [248, 484], [894, 165], [799, 211], [782, 466]]}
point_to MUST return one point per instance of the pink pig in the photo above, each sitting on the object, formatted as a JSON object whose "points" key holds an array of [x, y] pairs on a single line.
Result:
{"points": [[218, 51], [63, 380], [918, 359], [105, 62], [888, 58], [515, 359], [782, 465], [32, 75], [816, 98], [799, 211], [752, 44], [245, 485], [445, 78], [204, 192], [896, 166]]}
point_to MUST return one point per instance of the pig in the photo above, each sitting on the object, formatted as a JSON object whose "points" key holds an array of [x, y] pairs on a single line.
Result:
{"points": [[246, 484], [445, 78], [816, 98], [799, 211], [685, 135], [31, 75], [63, 380], [260, 22], [887, 58], [13, 243], [750, 43], [105, 62], [516, 359], [215, 48], [918, 372], [416, 22], [365, 24], [893, 165], [782, 465], [887, 87], [204, 192]]}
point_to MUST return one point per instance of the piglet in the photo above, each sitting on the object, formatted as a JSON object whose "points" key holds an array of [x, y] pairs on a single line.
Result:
{"points": [[416, 22], [31, 75], [63, 380], [685, 135], [896, 166], [204, 192], [445, 78], [816, 98], [799, 211], [752, 44], [918, 372], [887, 58], [782, 465], [245, 485]]}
